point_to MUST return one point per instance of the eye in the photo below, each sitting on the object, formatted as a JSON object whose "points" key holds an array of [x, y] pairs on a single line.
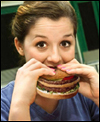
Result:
{"points": [[65, 43], [41, 44]]}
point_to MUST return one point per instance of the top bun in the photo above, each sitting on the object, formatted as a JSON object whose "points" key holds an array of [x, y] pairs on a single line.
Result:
{"points": [[59, 75]]}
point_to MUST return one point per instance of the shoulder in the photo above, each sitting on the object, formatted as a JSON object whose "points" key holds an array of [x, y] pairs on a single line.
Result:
{"points": [[7, 90], [9, 85]]}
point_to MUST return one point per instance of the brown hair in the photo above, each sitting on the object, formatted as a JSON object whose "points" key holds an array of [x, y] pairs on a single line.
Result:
{"points": [[28, 13]]}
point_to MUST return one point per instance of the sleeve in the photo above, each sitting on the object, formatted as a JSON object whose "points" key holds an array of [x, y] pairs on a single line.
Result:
{"points": [[4, 108]]}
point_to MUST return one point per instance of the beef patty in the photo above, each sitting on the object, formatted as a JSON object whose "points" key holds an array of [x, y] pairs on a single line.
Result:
{"points": [[59, 82], [65, 89]]}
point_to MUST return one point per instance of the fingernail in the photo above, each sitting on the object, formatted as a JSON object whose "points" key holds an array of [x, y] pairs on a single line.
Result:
{"points": [[59, 65], [68, 70], [63, 68], [52, 69]]}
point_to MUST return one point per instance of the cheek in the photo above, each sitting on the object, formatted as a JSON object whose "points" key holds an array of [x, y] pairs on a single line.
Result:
{"points": [[33, 53], [39, 56], [69, 55]]}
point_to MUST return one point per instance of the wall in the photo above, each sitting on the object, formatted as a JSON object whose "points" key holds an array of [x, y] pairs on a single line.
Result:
{"points": [[10, 3]]}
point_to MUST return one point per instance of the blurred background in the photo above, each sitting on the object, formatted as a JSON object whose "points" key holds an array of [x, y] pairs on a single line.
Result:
{"points": [[87, 44]]}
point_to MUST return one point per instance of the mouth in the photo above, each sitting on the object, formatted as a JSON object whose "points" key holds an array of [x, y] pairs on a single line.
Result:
{"points": [[53, 67]]}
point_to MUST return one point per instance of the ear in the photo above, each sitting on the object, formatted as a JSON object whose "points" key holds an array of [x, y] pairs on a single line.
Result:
{"points": [[19, 46]]}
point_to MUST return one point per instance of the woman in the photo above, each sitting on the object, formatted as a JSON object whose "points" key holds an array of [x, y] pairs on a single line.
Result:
{"points": [[45, 35]]}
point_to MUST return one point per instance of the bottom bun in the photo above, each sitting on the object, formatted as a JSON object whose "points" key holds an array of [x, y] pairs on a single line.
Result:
{"points": [[56, 95]]}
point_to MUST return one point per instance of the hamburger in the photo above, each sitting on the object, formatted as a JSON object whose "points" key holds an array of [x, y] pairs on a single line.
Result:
{"points": [[59, 86]]}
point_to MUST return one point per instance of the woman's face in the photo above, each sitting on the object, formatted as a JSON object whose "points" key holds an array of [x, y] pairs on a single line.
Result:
{"points": [[50, 42]]}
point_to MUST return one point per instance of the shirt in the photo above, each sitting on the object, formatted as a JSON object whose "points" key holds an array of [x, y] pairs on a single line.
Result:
{"points": [[77, 108]]}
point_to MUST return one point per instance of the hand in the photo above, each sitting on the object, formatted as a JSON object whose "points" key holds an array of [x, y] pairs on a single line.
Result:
{"points": [[26, 80], [89, 78]]}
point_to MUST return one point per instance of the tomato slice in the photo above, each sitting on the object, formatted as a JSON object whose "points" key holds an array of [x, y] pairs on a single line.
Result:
{"points": [[68, 78]]}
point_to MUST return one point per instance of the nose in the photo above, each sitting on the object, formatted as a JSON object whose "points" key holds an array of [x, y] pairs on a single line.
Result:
{"points": [[54, 56]]}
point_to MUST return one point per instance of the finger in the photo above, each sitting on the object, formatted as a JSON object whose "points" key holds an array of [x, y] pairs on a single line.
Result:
{"points": [[79, 71], [45, 71], [74, 61], [42, 71], [36, 65], [74, 66], [30, 62]]}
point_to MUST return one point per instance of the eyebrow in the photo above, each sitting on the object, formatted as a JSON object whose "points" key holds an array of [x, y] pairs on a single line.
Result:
{"points": [[42, 36], [67, 35]]}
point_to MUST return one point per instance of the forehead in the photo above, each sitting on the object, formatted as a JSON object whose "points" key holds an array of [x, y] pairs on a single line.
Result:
{"points": [[46, 22], [50, 27]]}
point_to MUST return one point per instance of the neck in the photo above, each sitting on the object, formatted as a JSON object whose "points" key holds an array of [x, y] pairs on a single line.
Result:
{"points": [[49, 105]]}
